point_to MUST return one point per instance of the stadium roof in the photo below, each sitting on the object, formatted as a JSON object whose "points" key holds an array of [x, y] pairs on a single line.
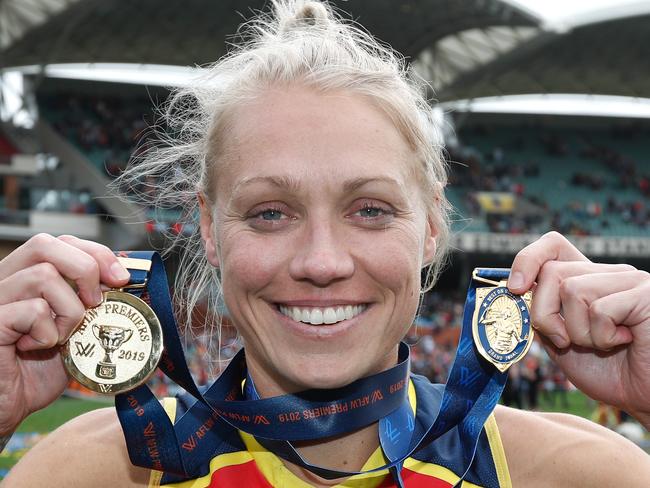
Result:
{"points": [[17, 17], [191, 32], [600, 52], [466, 48]]}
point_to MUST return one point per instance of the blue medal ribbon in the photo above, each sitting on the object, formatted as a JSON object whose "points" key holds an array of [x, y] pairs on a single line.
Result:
{"points": [[183, 450]]}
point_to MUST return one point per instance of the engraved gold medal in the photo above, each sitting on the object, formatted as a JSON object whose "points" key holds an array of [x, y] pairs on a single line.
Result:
{"points": [[117, 346], [501, 324]]}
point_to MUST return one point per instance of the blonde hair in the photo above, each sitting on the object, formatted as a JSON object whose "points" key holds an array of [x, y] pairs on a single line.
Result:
{"points": [[300, 42]]}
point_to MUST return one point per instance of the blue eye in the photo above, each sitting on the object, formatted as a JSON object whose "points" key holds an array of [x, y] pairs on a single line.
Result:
{"points": [[271, 214], [370, 212]]}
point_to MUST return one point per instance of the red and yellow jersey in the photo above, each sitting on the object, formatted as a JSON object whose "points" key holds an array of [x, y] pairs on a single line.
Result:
{"points": [[246, 464]]}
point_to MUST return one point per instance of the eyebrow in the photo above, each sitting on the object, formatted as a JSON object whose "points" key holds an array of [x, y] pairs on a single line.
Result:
{"points": [[356, 183], [291, 184], [281, 182]]}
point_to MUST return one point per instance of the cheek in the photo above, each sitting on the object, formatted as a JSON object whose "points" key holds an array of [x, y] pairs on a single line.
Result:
{"points": [[393, 263], [249, 262], [393, 259]]}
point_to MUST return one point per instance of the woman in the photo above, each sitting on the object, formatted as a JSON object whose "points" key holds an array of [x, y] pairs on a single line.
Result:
{"points": [[319, 182]]}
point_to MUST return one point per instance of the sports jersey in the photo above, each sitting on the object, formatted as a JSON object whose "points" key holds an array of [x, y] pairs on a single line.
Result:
{"points": [[242, 462]]}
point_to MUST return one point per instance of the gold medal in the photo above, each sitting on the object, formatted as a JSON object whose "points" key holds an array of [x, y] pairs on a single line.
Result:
{"points": [[117, 346], [501, 323]]}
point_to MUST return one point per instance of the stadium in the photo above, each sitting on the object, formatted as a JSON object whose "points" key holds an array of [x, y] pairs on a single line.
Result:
{"points": [[545, 120]]}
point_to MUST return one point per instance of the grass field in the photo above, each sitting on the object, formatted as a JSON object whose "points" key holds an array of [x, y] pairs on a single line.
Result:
{"points": [[46, 421], [65, 409], [59, 413]]}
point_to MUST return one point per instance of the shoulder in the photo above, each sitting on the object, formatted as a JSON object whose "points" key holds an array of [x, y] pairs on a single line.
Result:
{"points": [[554, 449], [87, 451]]}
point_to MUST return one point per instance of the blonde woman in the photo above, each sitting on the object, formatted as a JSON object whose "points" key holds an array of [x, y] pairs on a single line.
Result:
{"points": [[314, 165]]}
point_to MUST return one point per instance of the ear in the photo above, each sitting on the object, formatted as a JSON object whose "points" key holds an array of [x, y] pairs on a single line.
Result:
{"points": [[208, 233], [430, 245]]}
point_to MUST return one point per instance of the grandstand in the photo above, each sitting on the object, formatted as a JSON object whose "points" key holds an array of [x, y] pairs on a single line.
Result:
{"points": [[525, 175], [585, 179], [513, 176]]}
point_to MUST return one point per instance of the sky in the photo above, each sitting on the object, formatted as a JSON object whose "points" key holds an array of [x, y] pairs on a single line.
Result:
{"points": [[562, 10]]}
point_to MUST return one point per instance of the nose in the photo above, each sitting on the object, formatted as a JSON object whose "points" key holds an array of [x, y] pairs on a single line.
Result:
{"points": [[322, 257]]}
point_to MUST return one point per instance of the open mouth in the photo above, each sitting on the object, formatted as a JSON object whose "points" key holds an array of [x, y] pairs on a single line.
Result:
{"points": [[322, 315]]}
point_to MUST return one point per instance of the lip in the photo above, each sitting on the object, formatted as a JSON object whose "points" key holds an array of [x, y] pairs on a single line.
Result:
{"points": [[320, 303], [331, 331]]}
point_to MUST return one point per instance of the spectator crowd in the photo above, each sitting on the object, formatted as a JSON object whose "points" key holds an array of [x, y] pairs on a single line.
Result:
{"points": [[512, 164]]}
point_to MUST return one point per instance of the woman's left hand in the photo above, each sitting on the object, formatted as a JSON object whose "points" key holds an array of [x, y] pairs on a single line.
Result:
{"points": [[594, 320]]}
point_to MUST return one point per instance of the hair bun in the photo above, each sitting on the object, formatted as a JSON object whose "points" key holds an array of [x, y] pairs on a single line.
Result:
{"points": [[304, 14], [313, 13]]}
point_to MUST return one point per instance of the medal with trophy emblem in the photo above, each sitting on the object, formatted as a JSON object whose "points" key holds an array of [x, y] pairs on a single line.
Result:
{"points": [[117, 346], [501, 323]]}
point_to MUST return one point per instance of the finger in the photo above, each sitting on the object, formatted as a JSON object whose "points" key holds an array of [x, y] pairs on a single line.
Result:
{"points": [[615, 316], [579, 293], [70, 261], [557, 295], [111, 271], [28, 324], [605, 331], [44, 281], [529, 261]]}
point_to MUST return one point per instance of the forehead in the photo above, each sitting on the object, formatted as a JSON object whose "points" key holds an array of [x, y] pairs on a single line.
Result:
{"points": [[312, 136]]}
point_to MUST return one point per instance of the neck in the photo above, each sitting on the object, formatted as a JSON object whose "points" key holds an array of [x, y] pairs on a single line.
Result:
{"points": [[347, 452]]}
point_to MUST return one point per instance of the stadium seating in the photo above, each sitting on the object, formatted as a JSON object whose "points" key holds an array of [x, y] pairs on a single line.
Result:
{"points": [[585, 181], [567, 179], [106, 129]]}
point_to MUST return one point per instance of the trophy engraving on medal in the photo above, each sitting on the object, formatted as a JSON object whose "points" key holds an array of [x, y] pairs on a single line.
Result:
{"points": [[501, 324], [111, 338], [128, 333]]}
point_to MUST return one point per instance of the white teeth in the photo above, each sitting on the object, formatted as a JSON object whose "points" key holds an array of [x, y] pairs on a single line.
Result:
{"points": [[305, 316], [296, 314], [340, 314], [348, 312], [329, 316], [316, 316], [326, 315]]}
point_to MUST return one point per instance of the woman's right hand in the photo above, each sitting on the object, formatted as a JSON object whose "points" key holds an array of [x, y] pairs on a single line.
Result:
{"points": [[39, 310]]}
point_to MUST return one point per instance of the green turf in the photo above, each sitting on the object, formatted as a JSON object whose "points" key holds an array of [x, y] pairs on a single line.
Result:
{"points": [[578, 404], [48, 419], [58, 413]]}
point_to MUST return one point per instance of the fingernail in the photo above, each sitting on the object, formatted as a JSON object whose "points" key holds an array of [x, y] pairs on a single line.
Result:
{"points": [[516, 280], [119, 272], [559, 341], [97, 297]]}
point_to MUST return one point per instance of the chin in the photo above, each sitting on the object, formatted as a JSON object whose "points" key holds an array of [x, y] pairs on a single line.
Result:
{"points": [[326, 373], [326, 382]]}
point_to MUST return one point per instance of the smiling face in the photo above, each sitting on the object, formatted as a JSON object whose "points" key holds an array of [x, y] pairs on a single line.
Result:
{"points": [[320, 231]]}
